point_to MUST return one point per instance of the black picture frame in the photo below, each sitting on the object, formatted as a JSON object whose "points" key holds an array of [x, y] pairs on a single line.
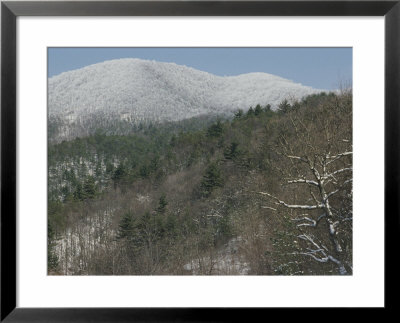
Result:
{"points": [[11, 10]]}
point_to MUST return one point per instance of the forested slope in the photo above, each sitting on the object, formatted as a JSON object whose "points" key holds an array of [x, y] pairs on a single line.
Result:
{"points": [[266, 192]]}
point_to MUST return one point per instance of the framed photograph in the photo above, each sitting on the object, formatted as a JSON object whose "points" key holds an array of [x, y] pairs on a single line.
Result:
{"points": [[178, 160]]}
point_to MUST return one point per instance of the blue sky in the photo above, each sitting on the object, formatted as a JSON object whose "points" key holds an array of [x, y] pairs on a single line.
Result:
{"points": [[323, 68]]}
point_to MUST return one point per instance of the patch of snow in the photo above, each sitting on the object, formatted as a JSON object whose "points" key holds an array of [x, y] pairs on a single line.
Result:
{"points": [[143, 198], [226, 262]]}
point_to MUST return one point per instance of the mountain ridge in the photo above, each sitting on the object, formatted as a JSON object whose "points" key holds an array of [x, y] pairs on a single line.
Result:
{"points": [[133, 90]]}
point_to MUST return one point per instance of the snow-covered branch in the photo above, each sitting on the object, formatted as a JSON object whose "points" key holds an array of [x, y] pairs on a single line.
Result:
{"points": [[215, 215], [305, 181], [338, 156], [308, 221], [293, 206], [339, 171], [324, 257], [311, 222], [298, 158], [269, 208], [331, 193]]}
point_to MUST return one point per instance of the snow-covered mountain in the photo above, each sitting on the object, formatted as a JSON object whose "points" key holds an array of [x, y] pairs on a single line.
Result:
{"points": [[135, 90]]}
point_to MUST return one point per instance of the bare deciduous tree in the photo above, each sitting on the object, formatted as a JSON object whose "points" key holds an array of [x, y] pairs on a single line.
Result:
{"points": [[313, 156]]}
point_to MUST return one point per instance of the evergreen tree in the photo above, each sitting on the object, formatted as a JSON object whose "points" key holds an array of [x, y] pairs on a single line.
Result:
{"points": [[173, 141], [284, 107], [119, 172], [89, 188], [119, 175], [109, 167], [238, 114], [98, 171], [145, 171], [162, 204], [215, 130], [126, 227], [211, 179], [257, 110], [155, 163], [78, 193], [250, 112], [232, 151]]}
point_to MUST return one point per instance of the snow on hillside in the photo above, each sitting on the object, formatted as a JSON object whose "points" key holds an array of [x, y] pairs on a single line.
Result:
{"points": [[136, 90]]}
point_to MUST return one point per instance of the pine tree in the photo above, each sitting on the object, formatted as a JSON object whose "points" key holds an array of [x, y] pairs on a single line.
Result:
{"points": [[119, 173], [78, 193], [215, 130], [211, 179], [284, 107], [89, 188], [126, 227], [144, 171], [173, 140], [109, 167], [232, 151], [258, 110], [162, 204], [238, 114]]}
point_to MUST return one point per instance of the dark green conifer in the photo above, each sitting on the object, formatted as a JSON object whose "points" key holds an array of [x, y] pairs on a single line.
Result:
{"points": [[126, 227], [211, 179], [162, 204], [257, 110], [215, 130]]}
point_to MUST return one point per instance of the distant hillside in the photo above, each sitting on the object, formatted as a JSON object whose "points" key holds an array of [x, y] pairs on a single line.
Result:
{"points": [[116, 95]]}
